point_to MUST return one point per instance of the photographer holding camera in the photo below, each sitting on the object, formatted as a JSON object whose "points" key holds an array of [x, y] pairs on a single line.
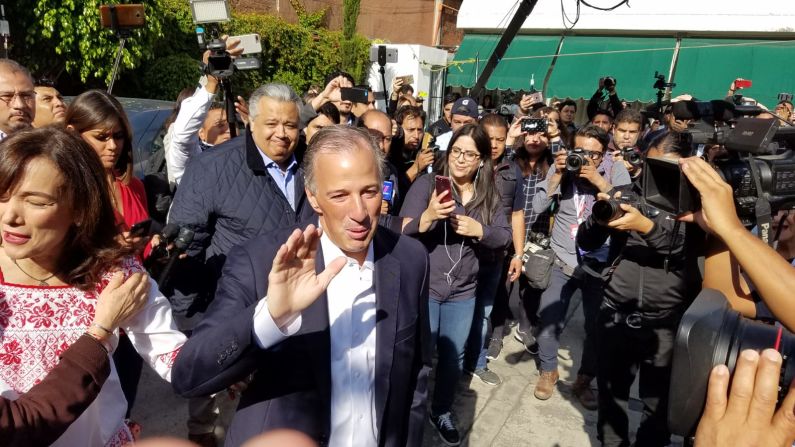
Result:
{"points": [[574, 182], [650, 278], [601, 101], [624, 144]]}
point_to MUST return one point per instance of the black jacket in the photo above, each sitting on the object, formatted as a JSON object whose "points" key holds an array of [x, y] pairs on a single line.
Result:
{"points": [[227, 197], [639, 280]]}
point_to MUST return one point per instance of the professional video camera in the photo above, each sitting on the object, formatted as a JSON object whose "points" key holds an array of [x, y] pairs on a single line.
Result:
{"points": [[760, 165], [711, 333]]}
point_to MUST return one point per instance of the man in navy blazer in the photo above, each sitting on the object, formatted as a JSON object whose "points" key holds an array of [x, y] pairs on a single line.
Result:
{"points": [[329, 329]]}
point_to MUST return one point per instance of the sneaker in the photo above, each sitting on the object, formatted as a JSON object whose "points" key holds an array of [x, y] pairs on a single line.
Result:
{"points": [[446, 427], [582, 391], [487, 376], [495, 346], [546, 385], [527, 340]]}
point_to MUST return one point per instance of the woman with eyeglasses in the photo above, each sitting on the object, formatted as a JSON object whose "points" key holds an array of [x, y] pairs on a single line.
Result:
{"points": [[453, 223]]}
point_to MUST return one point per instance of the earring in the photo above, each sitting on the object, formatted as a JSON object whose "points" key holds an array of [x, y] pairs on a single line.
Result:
{"points": [[481, 165]]}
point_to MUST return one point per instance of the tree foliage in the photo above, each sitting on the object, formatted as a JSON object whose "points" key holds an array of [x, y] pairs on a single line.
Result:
{"points": [[62, 40], [56, 36], [350, 15]]}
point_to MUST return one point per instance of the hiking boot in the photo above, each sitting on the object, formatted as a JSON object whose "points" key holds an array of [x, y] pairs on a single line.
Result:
{"points": [[495, 346], [546, 385], [446, 427], [582, 391], [487, 376]]}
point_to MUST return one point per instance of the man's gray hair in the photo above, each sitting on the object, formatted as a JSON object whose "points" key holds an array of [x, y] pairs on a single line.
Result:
{"points": [[279, 92], [338, 139], [13, 66]]}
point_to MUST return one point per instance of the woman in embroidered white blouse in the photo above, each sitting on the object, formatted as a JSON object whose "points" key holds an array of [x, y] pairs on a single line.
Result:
{"points": [[59, 249]]}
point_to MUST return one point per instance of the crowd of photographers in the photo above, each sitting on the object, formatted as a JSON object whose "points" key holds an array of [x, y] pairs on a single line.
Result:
{"points": [[519, 213]]}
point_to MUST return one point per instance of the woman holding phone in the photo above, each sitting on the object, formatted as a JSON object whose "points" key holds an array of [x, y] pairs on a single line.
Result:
{"points": [[454, 215]]}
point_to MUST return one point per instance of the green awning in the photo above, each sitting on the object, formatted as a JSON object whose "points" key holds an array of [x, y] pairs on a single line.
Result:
{"points": [[526, 56], [706, 68], [631, 60]]}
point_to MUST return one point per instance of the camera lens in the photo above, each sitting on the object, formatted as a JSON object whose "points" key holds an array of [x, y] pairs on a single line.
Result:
{"points": [[574, 163], [711, 334], [606, 210]]}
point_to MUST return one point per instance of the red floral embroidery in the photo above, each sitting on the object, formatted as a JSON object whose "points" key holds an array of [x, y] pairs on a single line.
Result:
{"points": [[12, 354], [83, 313], [42, 316]]}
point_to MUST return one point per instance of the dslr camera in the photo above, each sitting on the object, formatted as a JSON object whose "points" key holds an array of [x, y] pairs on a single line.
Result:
{"points": [[632, 156], [604, 211], [609, 82], [575, 160]]}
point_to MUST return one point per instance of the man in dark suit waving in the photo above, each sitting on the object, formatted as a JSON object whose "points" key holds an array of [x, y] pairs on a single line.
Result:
{"points": [[329, 328]]}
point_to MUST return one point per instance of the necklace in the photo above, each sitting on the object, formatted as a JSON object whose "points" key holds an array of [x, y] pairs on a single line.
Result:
{"points": [[42, 282]]}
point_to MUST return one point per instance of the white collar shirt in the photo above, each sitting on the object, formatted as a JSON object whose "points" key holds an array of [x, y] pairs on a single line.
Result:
{"points": [[352, 317]]}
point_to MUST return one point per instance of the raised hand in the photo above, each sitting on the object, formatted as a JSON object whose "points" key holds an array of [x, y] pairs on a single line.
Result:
{"points": [[293, 284], [717, 214]]}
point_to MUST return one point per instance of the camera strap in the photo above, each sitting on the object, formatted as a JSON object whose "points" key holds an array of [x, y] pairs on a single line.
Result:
{"points": [[763, 211]]}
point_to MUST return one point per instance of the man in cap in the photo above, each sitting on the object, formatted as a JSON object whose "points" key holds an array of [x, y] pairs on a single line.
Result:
{"points": [[465, 111]]}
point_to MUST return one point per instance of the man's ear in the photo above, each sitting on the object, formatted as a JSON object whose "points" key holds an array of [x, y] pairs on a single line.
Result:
{"points": [[313, 201]]}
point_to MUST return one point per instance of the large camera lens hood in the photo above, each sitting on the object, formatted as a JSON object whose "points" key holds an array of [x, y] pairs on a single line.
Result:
{"points": [[700, 344]]}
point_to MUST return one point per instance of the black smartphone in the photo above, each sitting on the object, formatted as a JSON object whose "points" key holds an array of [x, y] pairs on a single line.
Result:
{"points": [[354, 94], [534, 125], [141, 229], [443, 184]]}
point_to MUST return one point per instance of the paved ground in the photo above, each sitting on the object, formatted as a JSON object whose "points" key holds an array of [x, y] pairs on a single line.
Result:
{"points": [[506, 415]]}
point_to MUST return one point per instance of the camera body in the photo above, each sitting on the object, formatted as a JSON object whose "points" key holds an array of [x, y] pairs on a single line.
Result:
{"points": [[609, 82], [575, 160], [219, 64], [632, 156]]}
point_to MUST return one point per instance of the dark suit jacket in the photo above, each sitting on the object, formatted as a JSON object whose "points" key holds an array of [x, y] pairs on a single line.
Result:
{"points": [[291, 385]]}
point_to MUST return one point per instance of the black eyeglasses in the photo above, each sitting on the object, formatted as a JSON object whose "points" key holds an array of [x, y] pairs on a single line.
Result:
{"points": [[593, 155]]}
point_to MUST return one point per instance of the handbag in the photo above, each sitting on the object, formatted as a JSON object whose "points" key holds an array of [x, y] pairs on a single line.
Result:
{"points": [[537, 265], [537, 261]]}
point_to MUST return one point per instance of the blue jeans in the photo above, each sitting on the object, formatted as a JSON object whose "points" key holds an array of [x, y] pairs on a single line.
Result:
{"points": [[489, 277], [552, 316], [450, 324]]}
